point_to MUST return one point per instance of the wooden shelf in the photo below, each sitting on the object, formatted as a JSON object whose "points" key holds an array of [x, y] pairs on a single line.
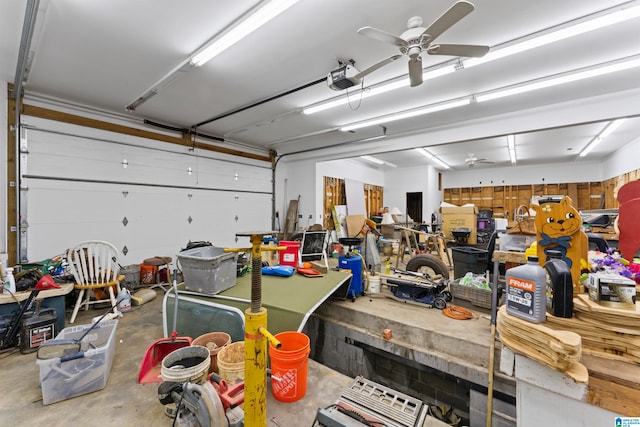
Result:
{"points": [[505, 199]]}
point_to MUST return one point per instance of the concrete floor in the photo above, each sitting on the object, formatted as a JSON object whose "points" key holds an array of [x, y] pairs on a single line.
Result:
{"points": [[124, 402]]}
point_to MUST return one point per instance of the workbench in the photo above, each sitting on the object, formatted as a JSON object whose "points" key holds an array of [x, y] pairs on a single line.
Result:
{"points": [[50, 298], [290, 301]]}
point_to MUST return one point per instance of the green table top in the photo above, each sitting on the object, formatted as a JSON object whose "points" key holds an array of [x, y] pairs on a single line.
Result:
{"points": [[289, 300]]}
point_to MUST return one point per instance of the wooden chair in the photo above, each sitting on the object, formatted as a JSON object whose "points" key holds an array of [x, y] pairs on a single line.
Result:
{"points": [[94, 265]]}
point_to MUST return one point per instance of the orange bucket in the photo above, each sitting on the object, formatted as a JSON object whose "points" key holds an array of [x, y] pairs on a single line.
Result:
{"points": [[148, 274], [289, 366]]}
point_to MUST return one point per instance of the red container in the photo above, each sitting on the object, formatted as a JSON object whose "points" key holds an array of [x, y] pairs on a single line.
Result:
{"points": [[148, 274], [290, 255]]}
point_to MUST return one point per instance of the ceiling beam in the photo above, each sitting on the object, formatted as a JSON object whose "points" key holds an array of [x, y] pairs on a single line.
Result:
{"points": [[185, 140]]}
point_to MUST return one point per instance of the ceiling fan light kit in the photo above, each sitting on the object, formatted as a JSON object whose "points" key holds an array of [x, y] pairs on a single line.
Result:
{"points": [[472, 160]]}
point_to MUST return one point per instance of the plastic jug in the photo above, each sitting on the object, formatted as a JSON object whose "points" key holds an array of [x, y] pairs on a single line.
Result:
{"points": [[526, 286], [9, 281], [124, 296]]}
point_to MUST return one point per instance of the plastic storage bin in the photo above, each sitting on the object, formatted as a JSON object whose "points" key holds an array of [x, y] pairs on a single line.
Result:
{"points": [[208, 269], [64, 380], [469, 259]]}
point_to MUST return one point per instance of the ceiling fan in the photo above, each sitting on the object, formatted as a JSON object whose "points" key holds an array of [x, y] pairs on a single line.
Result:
{"points": [[417, 39], [471, 160]]}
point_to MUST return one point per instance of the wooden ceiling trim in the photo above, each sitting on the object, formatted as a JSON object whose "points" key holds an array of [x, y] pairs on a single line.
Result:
{"points": [[45, 113]]}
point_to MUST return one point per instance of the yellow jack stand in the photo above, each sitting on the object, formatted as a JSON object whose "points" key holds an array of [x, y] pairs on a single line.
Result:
{"points": [[255, 339]]}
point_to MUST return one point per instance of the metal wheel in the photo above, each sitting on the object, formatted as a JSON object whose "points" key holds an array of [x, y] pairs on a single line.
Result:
{"points": [[429, 265], [439, 303]]}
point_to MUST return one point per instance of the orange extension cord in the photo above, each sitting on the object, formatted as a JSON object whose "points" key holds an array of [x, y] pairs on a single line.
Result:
{"points": [[459, 313]]}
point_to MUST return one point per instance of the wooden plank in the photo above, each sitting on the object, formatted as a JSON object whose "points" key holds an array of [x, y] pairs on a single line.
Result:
{"points": [[185, 140], [509, 256], [614, 397], [560, 350], [599, 340], [355, 225], [291, 221]]}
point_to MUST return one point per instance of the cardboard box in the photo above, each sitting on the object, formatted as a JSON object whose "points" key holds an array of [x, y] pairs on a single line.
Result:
{"points": [[460, 217], [355, 225], [388, 231], [612, 290]]}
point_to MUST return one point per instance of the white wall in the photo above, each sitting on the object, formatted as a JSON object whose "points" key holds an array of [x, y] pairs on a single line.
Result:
{"points": [[345, 169], [305, 177], [396, 182], [523, 175], [624, 160], [423, 179]]}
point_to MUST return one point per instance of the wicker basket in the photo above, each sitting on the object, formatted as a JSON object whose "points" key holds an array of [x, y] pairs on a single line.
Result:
{"points": [[478, 297]]}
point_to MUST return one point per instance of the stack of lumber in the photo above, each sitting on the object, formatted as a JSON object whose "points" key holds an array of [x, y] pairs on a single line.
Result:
{"points": [[607, 332], [560, 350]]}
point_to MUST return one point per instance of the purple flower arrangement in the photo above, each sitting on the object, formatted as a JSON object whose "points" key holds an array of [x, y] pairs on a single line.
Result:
{"points": [[612, 262]]}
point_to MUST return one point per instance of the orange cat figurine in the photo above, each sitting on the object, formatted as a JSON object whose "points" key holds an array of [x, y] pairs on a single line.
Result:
{"points": [[559, 228]]}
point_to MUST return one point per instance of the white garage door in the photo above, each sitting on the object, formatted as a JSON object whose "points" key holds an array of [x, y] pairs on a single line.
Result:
{"points": [[146, 197]]}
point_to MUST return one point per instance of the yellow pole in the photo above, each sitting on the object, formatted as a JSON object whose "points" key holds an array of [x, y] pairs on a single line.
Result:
{"points": [[255, 343], [255, 369]]}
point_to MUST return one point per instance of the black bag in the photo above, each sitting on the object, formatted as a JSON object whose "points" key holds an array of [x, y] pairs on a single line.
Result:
{"points": [[28, 279], [198, 244]]}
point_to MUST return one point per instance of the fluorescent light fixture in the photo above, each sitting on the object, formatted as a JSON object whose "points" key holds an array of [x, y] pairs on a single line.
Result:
{"points": [[377, 90], [569, 77], [373, 138], [585, 26], [511, 145], [605, 132], [609, 129], [378, 161], [407, 114], [430, 156], [245, 27], [373, 160], [572, 76]]}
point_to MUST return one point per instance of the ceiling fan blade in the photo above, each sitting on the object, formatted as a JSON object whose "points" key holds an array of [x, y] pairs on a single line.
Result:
{"points": [[467, 50], [382, 36], [415, 71], [377, 65], [449, 18]]}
